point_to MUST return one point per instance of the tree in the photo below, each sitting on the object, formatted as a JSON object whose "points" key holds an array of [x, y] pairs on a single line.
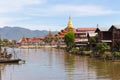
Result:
{"points": [[69, 39], [116, 49], [6, 42], [116, 46], [93, 39], [100, 48]]}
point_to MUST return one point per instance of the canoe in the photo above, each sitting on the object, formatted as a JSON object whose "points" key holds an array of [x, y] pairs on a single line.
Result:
{"points": [[9, 60]]}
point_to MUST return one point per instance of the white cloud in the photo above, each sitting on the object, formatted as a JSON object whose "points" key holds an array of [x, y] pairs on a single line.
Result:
{"points": [[45, 27], [10, 6], [12, 22], [74, 10], [7, 6], [6, 21], [39, 27]]}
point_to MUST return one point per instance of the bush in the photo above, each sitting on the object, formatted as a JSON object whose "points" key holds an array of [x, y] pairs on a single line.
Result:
{"points": [[84, 49], [117, 54], [75, 50]]}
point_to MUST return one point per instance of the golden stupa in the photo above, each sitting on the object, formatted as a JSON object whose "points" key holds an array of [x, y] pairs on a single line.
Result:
{"points": [[70, 25]]}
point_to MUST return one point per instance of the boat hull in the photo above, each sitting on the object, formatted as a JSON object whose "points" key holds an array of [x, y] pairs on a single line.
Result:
{"points": [[10, 61]]}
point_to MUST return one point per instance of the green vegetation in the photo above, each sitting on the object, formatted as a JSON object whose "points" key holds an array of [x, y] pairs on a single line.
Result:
{"points": [[6, 42], [116, 46], [93, 39], [74, 50], [117, 54], [69, 39], [100, 48], [116, 49]]}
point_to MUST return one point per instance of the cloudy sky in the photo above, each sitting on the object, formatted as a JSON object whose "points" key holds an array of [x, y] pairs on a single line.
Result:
{"points": [[53, 14]]}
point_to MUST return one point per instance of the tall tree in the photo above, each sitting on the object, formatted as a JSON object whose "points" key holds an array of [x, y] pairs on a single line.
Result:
{"points": [[69, 39]]}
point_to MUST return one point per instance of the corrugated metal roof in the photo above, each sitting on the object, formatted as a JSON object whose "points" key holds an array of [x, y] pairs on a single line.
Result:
{"points": [[103, 28], [92, 34], [117, 26]]}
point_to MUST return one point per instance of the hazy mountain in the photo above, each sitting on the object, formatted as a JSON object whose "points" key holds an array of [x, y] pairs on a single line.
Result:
{"points": [[16, 33]]}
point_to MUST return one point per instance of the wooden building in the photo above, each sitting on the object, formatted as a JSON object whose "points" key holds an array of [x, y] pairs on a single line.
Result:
{"points": [[110, 36], [81, 36]]}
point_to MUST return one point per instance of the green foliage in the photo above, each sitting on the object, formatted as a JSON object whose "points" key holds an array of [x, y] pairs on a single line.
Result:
{"points": [[5, 42], [94, 39], [100, 47], [69, 38], [117, 54], [75, 50], [116, 49], [84, 49], [1, 42], [47, 40], [116, 46], [56, 39]]}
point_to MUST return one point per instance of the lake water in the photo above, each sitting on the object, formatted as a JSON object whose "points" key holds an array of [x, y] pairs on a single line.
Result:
{"points": [[54, 64]]}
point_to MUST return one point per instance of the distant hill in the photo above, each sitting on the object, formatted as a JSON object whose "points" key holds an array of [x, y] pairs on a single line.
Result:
{"points": [[16, 33]]}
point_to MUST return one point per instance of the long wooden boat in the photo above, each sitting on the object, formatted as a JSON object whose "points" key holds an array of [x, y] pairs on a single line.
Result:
{"points": [[9, 60]]}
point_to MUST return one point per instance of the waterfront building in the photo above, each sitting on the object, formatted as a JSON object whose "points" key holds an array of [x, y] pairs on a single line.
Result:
{"points": [[59, 37], [23, 41], [110, 36], [49, 38], [80, 34], [35, 41], [31, 41]]}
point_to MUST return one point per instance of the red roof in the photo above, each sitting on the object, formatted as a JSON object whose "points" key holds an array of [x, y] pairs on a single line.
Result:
{"points": [[35, 39], [86, 29], [80, 33]]}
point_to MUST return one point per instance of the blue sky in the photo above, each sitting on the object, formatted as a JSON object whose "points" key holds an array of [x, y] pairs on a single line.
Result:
{"points": [[53, 14]]}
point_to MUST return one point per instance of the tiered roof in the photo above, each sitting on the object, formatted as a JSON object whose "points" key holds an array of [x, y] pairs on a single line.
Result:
{"points": [[67, 29]]}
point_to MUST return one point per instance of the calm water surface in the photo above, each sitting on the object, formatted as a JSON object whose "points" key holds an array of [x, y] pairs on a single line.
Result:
{"points": [[53, 64]]}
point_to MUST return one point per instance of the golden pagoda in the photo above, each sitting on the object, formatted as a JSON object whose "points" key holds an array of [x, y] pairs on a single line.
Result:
{"points": [[24, 39], [70, 25], [50, 34], [61, 33], [49, 37]]}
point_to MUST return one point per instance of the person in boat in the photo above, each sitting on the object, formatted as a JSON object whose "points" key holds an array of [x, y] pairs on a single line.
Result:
{"points": [[5, 52], [2, 53], [6, 55]]}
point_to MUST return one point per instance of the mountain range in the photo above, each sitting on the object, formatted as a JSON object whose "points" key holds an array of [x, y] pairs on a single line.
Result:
{"points": [[16, 33]]}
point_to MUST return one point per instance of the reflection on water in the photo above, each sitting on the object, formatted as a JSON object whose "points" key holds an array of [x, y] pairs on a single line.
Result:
{"points": [[54, 64]]}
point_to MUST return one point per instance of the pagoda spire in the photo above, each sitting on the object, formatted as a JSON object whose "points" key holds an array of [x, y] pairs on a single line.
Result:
{"points": [[97, 25], [50, 33], [70, 23]]}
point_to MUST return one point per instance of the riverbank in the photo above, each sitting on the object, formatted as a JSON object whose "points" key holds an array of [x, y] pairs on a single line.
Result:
{"points": [[33, 47], [43, 46], [107, 55]]}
